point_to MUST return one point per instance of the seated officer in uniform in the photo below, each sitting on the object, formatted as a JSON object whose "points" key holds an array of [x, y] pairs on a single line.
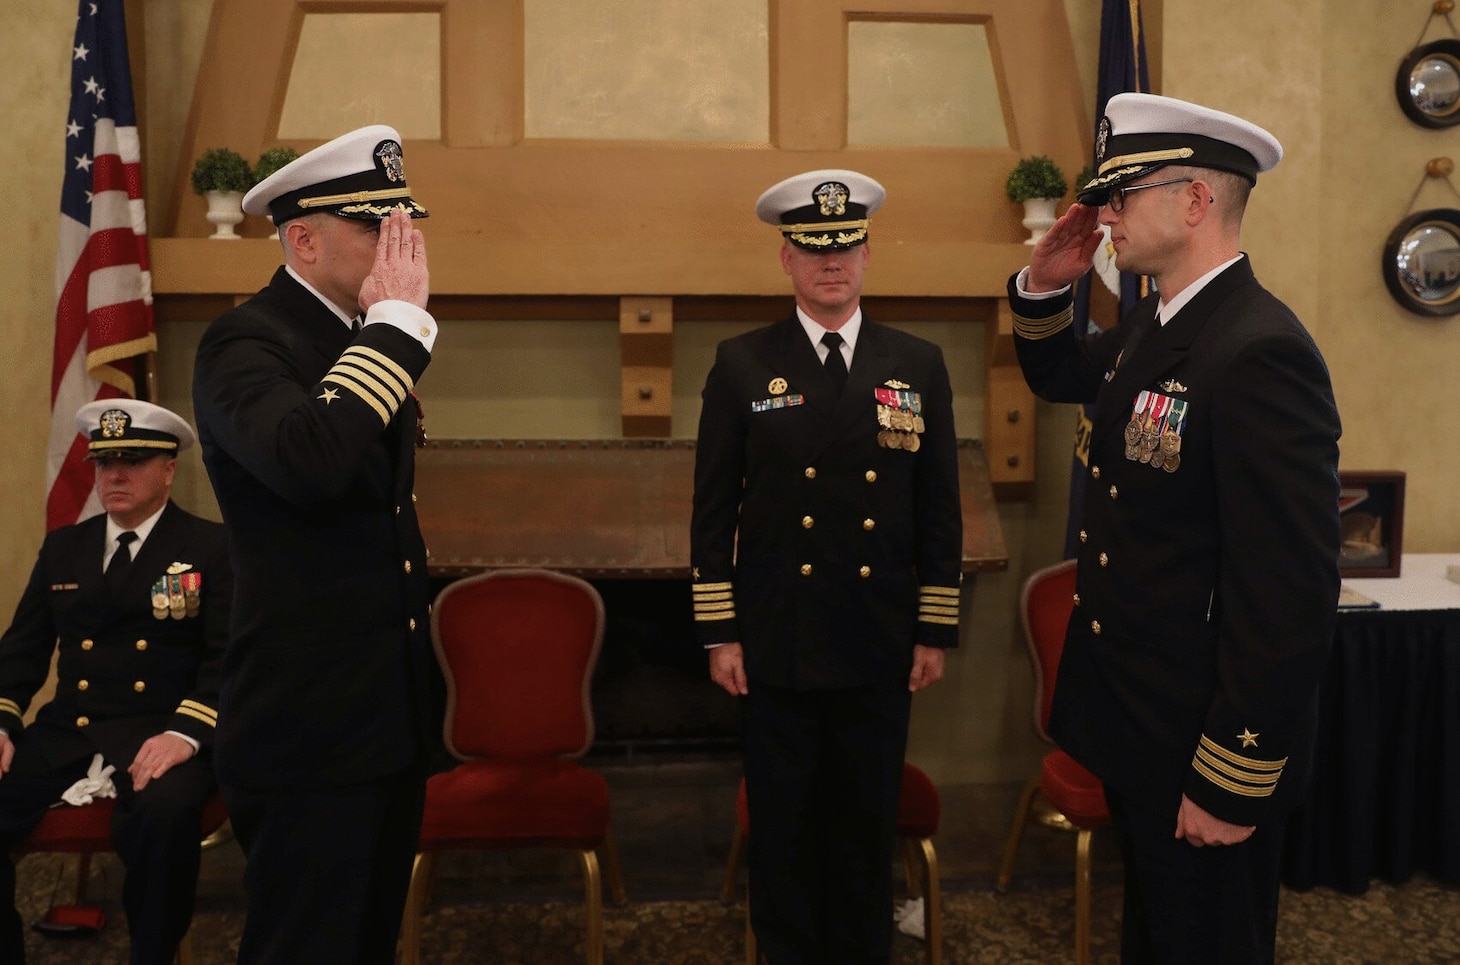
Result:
{"points": [[826, 544], [137, 601]]}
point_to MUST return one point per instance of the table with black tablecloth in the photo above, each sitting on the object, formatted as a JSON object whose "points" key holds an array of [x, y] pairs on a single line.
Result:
{"points": [[1385, 800]]}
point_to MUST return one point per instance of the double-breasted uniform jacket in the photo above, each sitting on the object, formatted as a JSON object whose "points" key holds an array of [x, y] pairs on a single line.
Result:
{"points": [[1208, 583], [848, 551], [308, 432], [127, 668]]}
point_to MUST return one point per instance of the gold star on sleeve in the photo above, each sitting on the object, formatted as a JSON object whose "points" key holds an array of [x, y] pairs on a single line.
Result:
{"points": [[1248, 738], [329, 396]]}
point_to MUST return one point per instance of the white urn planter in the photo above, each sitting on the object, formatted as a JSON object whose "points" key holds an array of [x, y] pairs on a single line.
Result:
{"points": [[225, 209], [1038, 217]]}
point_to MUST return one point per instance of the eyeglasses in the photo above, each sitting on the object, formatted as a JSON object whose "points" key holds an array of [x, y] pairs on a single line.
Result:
{"points": [[1117, 195]]}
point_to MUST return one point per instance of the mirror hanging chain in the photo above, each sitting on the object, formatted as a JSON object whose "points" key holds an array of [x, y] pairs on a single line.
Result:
{"points": [[1439, 168], [1440, 8]]}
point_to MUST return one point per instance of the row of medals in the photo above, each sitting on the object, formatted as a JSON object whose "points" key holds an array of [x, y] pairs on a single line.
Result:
{"points": [[1150, 445], [900, 428], [171, 596]]}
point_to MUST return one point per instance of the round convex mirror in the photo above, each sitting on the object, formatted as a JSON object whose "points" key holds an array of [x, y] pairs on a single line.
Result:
{"points": [[1428, 84], [1422, 262]]}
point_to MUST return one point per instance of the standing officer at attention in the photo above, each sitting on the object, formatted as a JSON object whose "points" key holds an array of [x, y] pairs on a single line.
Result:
{"points": [[135, 602], [332, 699], [826, 545], [1208, 573]]}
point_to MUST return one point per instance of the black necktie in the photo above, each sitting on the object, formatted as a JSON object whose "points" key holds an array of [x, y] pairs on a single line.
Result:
{"points": [[116, 570], [836, 366]]}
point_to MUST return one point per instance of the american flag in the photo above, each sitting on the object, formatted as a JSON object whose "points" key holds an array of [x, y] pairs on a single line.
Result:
{"points": [[103, 282]]}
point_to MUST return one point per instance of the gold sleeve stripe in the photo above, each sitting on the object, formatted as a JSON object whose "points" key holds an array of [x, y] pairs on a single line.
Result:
{"points": [[200, 708], [941, 621], [385, 393], [368, 368], [359, 390], [707, 617], [712, 607], [1036, 329], [389, 363], [939, 611], [1247, 777], [189, 712], [1225, 784], [708, 597], [939, 591], [712, 587], [1250, 763], [10, 707]]}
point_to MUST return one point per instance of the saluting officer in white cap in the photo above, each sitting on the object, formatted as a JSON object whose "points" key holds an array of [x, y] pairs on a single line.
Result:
{"points": [[826, 543], [1209, 538], [134, 605], [331, 714]]}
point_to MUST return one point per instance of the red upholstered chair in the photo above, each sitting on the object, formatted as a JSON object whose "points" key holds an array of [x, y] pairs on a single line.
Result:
{"points": [[918, 812], [87, 830], [518, 648], [1077, 795]]}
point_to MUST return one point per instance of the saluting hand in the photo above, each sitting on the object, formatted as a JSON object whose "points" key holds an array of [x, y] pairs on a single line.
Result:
{"points": [[158, 755], [1066, 251], [7, 754], [400, 270]]}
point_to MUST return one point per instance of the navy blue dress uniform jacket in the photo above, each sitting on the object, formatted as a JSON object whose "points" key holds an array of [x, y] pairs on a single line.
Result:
{"points": [[1207, 589], [848, 552], [308, 433], [124, 674]]}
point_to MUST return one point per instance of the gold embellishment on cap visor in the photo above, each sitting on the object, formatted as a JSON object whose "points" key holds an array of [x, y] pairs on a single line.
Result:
{"points": [[356, 197], [819, 226], [1149, 157], [131, 444], [823, 239]]}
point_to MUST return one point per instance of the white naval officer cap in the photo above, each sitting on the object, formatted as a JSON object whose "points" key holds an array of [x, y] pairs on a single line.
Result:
{"points": [[1143, 132], [131, 429], [360, 175], [822, 210]]}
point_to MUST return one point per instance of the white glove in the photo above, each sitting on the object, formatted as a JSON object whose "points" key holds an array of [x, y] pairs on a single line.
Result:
{"points": [[97, 783]]}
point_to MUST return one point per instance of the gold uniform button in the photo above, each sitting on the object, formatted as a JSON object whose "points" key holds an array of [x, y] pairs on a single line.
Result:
{"points": [[87, 644], [139, 686], [1104, 560], [82, 721], [869, 524], [1077, 599], [397, 510], [866, 571], [413, 623], [805, 569], [413, 497], [1084, 536], [807, 522], [810, 472], [408, 566], [871, 475], [1094, 472], [1114, 493], [82, 684], [1095, 627], [141, 645]]}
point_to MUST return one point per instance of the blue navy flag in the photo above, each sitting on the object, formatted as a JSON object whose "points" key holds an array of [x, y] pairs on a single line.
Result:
{"points": [[1123, 68], [103, 281]]}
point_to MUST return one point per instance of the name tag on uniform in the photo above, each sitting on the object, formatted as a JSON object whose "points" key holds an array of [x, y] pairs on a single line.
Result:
{"points": [[65, 586]]}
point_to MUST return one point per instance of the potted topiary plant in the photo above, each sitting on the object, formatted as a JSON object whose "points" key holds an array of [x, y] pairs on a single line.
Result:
{"points": [[272, 160], [1038, 184], [221, 176]]}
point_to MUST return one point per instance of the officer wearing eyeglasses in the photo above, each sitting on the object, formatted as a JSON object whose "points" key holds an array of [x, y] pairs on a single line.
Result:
{"points": [[1209, 538]]}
